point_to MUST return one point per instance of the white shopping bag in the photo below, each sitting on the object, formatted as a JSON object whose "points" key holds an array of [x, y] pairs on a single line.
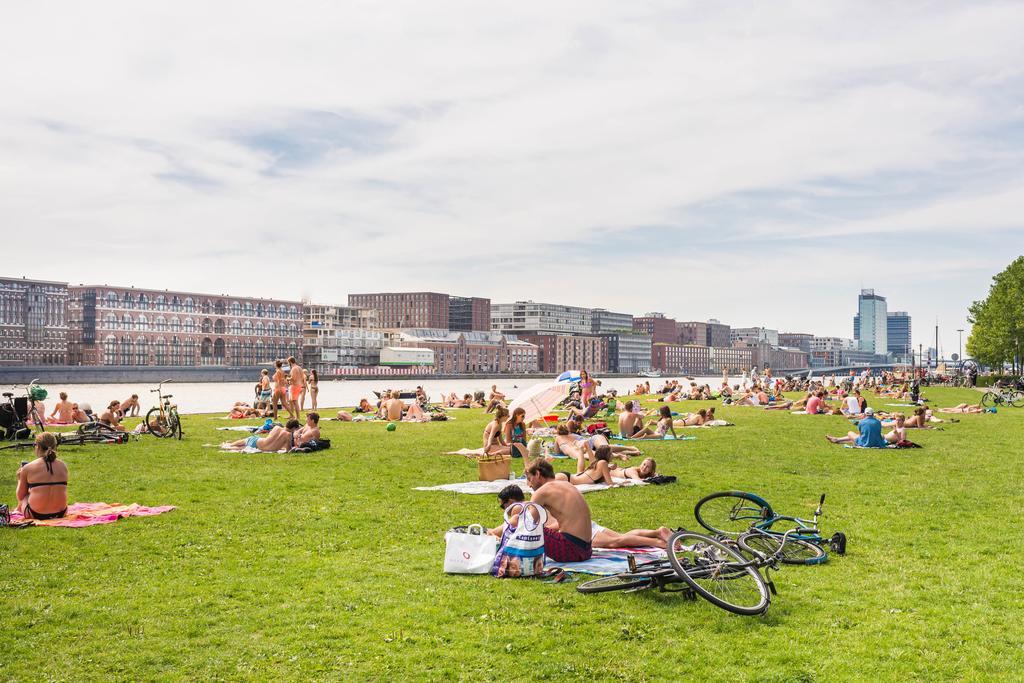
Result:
{"points": [[469, 552]]}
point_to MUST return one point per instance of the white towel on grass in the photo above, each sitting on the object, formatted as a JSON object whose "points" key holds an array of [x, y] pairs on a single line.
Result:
{"points": [[494, 487]]}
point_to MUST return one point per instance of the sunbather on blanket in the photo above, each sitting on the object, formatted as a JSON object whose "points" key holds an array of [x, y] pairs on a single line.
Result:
{"points": [[65, 409], [279, 438], [600, 536], [648, 468], [963, 408], [42, 491], [598, 472]]}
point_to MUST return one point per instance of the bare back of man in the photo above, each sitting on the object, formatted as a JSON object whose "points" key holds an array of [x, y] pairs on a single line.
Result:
{"points": [[394, 409], [565, 504]]}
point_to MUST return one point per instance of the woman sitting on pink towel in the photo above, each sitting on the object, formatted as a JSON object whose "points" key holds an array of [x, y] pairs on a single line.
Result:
{"points": [[43, 483]]}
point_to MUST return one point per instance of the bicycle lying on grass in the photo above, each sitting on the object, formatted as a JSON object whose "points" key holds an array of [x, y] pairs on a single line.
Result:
{"points": [[733, 513], [162, 420], [723, 572]]}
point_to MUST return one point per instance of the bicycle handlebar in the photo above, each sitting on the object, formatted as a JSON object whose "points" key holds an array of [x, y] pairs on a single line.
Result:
{"points": [[822, 501]]}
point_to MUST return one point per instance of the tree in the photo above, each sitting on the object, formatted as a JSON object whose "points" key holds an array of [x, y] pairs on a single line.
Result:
{"points": [[997, 335]]}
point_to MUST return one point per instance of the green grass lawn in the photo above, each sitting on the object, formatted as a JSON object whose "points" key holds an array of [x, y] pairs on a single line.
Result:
{"points": [[329, 565]]}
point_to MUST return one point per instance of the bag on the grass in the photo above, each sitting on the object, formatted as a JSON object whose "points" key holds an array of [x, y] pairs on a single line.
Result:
{"points": [[5, 515], [903, 443], [521, 551], [312, 446], [469, 550]]}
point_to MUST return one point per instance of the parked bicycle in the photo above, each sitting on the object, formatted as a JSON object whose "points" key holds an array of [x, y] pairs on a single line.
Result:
{"points": [[18, 415], [1003, 397], [714, 569], [732, 513], [162, 421]]}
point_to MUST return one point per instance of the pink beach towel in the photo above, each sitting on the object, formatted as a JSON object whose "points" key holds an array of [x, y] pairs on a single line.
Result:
{"points": [[88, 514]]}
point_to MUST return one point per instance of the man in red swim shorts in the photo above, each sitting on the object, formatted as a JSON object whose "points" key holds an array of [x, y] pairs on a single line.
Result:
{"points": [[571, 542]]}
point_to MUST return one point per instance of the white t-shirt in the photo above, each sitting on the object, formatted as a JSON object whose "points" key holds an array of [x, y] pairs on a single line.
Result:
{"points": [[852, 404]]}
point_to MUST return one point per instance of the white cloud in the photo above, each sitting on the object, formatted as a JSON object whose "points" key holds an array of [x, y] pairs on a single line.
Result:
{"points": [[495, 139]]}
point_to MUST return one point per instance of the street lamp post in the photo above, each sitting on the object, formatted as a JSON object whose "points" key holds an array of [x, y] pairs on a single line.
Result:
{"points": [[961, 345]]}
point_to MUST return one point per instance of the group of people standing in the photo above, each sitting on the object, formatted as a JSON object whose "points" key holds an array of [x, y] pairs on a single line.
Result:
{"points": [[287, 389]]}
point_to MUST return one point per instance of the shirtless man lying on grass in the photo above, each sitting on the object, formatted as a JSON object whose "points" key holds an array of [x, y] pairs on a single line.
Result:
{"points": [[600, 536], [279, 438]]}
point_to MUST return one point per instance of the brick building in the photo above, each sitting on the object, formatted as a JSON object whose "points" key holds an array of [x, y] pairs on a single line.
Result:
{"points": [[661, 329], [673, 358], [33, 322], [128, 326], [462, 352], [693, 332], [731, 359], [469, 314], [557, 353], [719, 334], [406, 309]]}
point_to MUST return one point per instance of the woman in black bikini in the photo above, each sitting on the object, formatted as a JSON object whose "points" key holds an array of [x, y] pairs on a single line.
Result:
{"points": [[598, 472], [43, 483]]}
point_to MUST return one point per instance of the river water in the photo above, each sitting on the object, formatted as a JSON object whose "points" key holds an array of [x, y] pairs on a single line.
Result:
{"points": [[212, 397]]}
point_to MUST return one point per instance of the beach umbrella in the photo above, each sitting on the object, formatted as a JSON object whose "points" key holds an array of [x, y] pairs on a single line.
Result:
{"points": [[569, 376], [540, 399]]}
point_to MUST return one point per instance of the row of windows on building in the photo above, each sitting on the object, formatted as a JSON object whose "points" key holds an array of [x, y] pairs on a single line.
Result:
{"points": [[12, 310], [160, 324], [190, 305], [190, 351]]}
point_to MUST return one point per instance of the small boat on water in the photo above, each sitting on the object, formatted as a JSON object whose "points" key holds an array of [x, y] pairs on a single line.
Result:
{"points": [[402, 394], [649, 373]]}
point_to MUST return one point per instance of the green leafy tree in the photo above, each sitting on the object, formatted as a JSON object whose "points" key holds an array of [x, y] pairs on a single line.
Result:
{"points": [[997, 335]]}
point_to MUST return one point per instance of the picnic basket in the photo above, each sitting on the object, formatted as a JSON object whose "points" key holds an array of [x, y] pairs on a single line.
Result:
{"points": [[493, 467]]}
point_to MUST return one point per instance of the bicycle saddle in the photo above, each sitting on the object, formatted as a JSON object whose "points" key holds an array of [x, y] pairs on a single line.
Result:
{"points": [[7, 394]]}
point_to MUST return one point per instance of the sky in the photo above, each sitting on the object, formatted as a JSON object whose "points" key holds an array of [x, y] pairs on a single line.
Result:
{"points": [[754, 162]]}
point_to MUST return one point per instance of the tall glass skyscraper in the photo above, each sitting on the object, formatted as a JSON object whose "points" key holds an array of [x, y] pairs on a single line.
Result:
{"points": [[899, 344], [872, 322]]}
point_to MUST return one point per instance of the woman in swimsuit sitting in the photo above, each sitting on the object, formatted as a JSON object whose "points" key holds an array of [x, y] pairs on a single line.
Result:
{"points": [[42, 491], [661, 428], [494, 439], [515, 433], [899, 431]]}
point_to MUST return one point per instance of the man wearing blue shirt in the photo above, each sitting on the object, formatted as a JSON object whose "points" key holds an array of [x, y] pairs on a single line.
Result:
{"points": [[870, 435]]}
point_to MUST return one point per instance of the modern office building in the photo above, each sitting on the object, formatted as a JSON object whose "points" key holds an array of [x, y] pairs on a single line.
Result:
{"points": [[469, 314], [719, 334], [532, 318], [406, 309], [557, 353], [871, 323], [661, 329], [899, 340], [468, 352], [673, 358], [129, 326], [606, 322], [628, 352], [754, 335], [33, 322]]}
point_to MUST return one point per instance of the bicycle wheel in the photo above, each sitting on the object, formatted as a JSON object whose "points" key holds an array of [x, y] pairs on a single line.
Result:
{"points": [[731, 512], [618, 582], [988, 399], [796, 551], [718, 573], [175, 423], [1017, 399], [157, 424]]}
